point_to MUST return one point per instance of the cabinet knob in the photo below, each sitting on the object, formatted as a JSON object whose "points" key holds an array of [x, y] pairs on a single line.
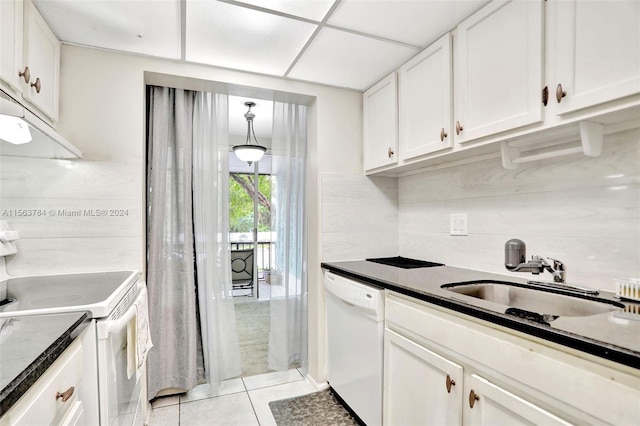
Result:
{"points": [[66, 394], [473, 397], [560, 93], [443, 135], [26, 74], [450, 383], [37, 85], [390, 152], [459, 128], [545, 96]]}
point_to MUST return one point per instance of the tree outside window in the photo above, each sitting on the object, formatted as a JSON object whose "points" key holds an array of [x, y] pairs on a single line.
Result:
{"points": [[241, 194]]}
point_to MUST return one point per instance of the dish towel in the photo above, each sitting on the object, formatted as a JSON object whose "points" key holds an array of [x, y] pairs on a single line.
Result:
{"points": [[138, 335]]}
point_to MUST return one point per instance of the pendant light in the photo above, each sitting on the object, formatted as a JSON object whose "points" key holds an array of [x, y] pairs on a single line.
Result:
{"points": [[250, 151]]}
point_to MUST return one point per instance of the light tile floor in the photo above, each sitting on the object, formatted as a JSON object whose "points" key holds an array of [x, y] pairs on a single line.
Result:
{"points": [[242, 401]]}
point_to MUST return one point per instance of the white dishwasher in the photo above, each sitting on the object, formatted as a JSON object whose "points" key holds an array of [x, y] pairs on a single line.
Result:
{"points": [[355, 327]]}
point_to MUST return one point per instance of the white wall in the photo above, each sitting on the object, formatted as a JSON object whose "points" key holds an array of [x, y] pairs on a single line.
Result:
{"points": [[102, 105], [72, 216], [102, 111], [359, 217], [583, 211]]}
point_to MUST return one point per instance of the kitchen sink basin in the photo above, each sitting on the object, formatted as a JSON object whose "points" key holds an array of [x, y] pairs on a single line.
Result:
{"points": [[534, 303]]}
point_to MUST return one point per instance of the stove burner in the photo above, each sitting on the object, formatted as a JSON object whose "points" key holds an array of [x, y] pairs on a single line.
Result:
{"points": [[404, 262]]}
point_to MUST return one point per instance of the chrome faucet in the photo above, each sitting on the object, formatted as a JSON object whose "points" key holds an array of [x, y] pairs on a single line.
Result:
{"points": [[515, 253], [514, 260], [538, 264]]}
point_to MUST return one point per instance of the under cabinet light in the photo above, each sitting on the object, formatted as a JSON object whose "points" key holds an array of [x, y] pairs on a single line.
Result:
{"points": [[14, 130]]}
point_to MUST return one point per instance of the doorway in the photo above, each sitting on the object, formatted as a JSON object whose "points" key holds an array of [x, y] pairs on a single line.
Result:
{"points": [[250, 226], [188, 224], [250, 240]]}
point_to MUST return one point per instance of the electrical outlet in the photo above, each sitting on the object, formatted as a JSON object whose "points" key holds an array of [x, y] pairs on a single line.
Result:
{"points": [[458, 224]]}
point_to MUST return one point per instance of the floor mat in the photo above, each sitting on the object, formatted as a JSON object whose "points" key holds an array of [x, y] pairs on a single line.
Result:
{"points": [[315, 409]]}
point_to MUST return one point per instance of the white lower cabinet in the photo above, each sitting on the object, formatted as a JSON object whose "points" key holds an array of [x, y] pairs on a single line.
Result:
{"points": [[490, 404], [424, 388], [75, 416], [54, 397], [445, 368], [420, 386]]}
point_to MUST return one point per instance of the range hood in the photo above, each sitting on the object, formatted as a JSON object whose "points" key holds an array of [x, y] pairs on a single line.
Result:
{"points": [[45, 142]]}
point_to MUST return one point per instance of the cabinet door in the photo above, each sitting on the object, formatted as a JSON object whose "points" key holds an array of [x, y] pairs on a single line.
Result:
{"points": [[597, 52], [425, 101], [75, 417], [420, 386], [381, 124], [11, 16], [489, 404], [498, 63], [40, 404], [42, 56]]}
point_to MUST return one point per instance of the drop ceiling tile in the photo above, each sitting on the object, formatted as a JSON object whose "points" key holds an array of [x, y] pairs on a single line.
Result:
{"points": [[131, 26], [344, 59], [229, 36], [310, 9], [418, 23]]}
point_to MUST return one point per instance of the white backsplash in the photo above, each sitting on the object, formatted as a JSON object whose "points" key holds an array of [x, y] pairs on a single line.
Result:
{"points": [[72, 216], [359, 217], [583, 211]]}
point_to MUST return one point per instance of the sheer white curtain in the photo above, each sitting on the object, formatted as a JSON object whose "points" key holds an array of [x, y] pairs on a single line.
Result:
{"points": [[288, 334], [211, 232]]}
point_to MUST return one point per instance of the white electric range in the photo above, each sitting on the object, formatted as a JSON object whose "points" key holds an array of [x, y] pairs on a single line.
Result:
{"points": [[97, 292], [110, 393]]}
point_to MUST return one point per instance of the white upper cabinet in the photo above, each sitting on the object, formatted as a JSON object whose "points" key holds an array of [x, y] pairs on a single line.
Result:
{"points": [[498, 69], [42, 56], [11, 27], [595, 53], [381, 124], [425, 101]]}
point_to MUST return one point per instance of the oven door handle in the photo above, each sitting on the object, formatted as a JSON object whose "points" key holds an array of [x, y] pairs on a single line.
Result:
{"points": [[112, 326]]}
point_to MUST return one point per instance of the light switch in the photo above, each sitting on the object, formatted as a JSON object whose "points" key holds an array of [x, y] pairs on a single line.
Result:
{"points": [[458, 224]]}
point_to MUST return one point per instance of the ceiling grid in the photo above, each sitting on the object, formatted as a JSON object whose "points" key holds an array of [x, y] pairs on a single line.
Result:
{"points": [[343, 43]]}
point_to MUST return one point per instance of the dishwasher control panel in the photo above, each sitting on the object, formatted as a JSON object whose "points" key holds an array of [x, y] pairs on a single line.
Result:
{"points": [[355, 293]]}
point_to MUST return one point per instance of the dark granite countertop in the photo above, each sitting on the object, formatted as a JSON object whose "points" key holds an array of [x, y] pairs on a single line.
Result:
{"points": [[614, 336], [28, 347]]}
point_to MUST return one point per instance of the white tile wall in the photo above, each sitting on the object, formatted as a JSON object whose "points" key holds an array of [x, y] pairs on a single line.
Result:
{"points": [[359, 216], [583, 211], [54, 243]]}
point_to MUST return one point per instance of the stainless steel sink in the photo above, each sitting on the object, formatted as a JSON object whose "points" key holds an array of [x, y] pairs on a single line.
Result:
{"points": [[535, 303]]}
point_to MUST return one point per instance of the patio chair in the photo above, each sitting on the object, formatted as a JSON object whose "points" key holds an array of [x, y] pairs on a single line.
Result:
{"points": [[242, 276]]}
